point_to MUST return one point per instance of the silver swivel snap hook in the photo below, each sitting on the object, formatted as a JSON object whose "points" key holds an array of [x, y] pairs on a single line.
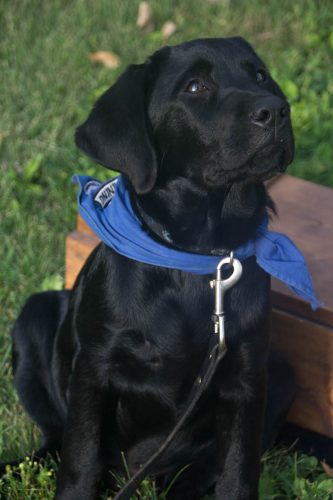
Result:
{"points": [[220, 286]]}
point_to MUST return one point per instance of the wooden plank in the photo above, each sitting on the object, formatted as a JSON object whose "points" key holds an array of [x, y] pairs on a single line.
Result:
{"points": [[309, 348], [82, 227], [282, 298], [78, 247]]}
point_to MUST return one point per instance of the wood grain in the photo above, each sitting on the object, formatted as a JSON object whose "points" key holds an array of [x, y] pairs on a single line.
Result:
{"points": [[309, 348], [82, 227], [78, 247]]}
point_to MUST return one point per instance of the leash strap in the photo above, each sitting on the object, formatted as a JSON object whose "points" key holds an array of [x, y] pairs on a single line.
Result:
{"points": [[207, 371], [215, 353]]}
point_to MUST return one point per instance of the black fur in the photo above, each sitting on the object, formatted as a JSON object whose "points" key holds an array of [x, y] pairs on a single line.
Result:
{"points": [[107, 367]]}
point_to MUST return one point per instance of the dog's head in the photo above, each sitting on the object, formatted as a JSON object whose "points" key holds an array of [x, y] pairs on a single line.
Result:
{"points": [[207, 110]]}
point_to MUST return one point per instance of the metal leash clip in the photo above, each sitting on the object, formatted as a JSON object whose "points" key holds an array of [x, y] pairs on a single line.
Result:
{"points": [[220, 286]]}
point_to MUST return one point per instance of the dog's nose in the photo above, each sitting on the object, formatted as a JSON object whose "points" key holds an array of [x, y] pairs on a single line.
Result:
{"points": [[269, 111]]}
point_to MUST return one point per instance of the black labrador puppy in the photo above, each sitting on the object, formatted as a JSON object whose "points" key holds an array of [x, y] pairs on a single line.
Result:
{"points": [[105, 370]]}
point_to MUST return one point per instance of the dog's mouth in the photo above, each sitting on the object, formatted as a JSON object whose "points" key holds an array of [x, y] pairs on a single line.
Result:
{"points": [[269, 161], [265, 163]]}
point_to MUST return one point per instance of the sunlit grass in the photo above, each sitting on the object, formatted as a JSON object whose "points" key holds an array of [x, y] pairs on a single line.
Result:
{"points": [[285, 476]]}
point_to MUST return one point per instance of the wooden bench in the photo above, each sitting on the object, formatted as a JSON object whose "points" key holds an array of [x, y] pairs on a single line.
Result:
{"points": [[305, 337]]}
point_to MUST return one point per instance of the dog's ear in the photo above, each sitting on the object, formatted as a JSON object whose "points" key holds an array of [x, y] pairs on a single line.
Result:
{"points": [[117, 133]]}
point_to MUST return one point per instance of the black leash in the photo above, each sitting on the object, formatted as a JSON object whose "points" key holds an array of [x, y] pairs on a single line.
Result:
{"points": [[206, 373], [208, 369]]}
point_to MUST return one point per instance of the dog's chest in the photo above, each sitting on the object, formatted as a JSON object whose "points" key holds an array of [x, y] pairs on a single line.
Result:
{"points": [[151, 331], [157, 327], [165, 336]]}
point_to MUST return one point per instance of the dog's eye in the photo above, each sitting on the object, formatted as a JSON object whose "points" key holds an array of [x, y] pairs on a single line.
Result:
{"points": [[195, 87], [260, 76]]}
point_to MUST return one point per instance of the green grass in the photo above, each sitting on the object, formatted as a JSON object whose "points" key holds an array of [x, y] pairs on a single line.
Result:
{"points": [[285, 476], [47, 88]]}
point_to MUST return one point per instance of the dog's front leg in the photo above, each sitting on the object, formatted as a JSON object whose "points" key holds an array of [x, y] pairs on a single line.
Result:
{"points": [[239, 427], [81, 465]]}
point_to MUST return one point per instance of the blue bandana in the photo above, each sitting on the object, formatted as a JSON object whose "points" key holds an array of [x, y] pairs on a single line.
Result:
{"points": [[106, 208]]}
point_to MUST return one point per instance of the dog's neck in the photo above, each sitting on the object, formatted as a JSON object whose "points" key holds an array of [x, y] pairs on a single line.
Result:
{"points": [[200, 221]]}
